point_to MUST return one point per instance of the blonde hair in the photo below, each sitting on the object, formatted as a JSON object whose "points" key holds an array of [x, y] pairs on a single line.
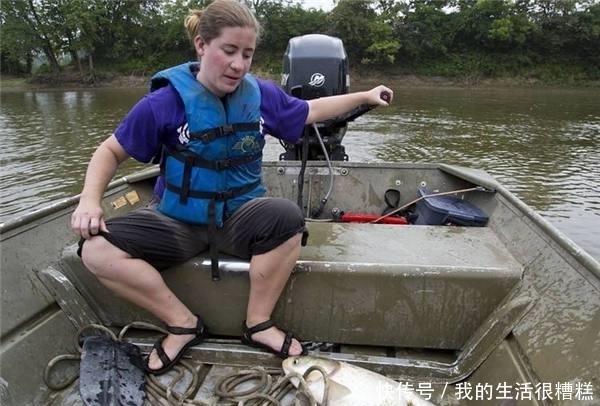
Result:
{"points": [[209, 23]]}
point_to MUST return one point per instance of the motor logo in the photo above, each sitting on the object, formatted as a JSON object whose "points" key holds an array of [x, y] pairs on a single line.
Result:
{"points": [[317, 79]]}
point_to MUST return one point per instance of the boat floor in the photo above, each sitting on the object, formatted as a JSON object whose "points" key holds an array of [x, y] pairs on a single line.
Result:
{"points": [[202, 378]]}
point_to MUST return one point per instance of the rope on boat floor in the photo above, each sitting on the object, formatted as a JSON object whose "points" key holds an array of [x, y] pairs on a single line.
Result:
{"points": [[72, 357], [270, 387]]}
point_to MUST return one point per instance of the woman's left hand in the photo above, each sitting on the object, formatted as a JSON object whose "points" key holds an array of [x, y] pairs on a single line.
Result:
{"points": [[380, 96]]}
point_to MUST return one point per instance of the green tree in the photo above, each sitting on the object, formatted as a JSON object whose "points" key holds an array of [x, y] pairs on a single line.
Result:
{"points": [[384, 47], [73, 29], [124, 28], [564, 27], [27, 26], [280, 22], [492, 25], [349, 21], [424, 30], [168, 42], [587, 37], [450, 37], [18, 40]]}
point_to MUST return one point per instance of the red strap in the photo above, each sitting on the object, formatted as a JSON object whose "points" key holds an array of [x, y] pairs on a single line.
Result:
{"points": [[366, 218]]}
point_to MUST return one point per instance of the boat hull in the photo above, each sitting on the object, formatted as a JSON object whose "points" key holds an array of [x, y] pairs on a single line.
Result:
{"points": [[512, 301]]}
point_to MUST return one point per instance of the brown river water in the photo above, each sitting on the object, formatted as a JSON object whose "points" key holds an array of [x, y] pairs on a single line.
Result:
{"points": [[542, 144]]}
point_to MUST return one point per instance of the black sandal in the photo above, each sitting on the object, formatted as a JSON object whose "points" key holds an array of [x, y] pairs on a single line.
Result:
{"points": [[168, 363], [284, 352]]}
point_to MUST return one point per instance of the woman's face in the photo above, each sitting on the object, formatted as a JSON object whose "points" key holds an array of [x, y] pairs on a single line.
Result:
{"points": [[226, 59]]}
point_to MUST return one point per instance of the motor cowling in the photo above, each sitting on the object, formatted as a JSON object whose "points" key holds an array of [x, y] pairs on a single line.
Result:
{"points": [[314, 66]]}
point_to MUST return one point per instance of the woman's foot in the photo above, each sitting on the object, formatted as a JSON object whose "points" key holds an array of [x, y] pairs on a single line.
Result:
{"points": [[169, 350], [267, 336], [172, 344]]}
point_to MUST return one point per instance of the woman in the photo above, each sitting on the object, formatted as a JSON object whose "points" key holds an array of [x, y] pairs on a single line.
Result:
{"points": [[218, 114]]}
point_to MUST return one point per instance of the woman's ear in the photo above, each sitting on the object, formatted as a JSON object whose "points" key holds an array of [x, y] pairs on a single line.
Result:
{"points": [[199, 44]]}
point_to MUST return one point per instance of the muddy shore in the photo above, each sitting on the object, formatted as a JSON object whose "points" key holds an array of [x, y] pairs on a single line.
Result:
{"points": [[74, 81]]}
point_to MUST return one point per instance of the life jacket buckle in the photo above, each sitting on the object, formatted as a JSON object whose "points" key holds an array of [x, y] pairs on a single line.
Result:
{"points": [[226, 129], [206, 138], [223, 164], [227, 194]]}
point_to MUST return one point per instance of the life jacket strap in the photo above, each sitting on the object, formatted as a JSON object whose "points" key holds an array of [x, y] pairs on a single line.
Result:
{"points": [[190, 158], [209, 135], [212, 213], [212, 246], [216, 196]]}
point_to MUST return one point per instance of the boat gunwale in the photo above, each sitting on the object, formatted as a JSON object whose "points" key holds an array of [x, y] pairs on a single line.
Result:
{"points": [[565, 242], [61, 204], [575, 251]]}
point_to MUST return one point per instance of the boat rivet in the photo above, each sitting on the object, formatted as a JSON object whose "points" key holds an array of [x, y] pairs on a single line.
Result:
{"points": [[343, 171], [423, 183], [398, 182], [281, 170]]}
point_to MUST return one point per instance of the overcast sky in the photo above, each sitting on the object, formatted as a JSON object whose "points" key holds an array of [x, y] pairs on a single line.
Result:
{"points": [[318, 4]]}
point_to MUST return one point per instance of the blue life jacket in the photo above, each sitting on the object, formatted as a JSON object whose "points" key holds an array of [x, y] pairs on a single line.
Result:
{"points": [[207, 179]]}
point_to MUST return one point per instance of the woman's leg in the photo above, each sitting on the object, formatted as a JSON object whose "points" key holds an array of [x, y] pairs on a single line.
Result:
{"points": [[269, 232], [109, 257], [138, 282], [269, 272]]}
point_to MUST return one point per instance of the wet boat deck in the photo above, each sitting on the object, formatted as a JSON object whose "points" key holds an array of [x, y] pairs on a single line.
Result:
{"points": [[436, 283]]}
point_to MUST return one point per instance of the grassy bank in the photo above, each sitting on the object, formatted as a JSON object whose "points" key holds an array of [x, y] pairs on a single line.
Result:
{"points": [[70, 80], [358, 79]]}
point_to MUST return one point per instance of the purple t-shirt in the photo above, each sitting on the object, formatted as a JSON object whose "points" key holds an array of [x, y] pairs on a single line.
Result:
{"points": [[159, 119]]}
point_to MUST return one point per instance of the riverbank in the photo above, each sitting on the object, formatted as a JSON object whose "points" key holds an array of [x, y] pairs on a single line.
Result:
{"points": [[14, 83], [76, 81]]}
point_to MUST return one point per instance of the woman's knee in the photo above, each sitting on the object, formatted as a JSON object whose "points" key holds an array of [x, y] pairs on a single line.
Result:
{"points": [[95, 253], [287, 211]]}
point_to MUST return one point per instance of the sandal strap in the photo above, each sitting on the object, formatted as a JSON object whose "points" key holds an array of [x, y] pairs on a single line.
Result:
{"points": [[287, 342], [162, 355], [198, 330], [259, 327]]}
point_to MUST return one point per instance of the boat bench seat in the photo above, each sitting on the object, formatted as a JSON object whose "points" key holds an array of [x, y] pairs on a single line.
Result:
{"points": [[363, 284]]}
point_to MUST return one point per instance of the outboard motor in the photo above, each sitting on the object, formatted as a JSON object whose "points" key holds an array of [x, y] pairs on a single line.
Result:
{"points": [[315, 66]]}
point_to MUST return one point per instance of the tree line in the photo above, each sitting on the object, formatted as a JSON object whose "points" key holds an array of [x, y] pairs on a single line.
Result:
{"points": [[542, 39]]}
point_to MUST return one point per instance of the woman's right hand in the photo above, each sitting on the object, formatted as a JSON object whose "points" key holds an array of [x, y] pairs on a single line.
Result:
{"points": [[88, 219]]}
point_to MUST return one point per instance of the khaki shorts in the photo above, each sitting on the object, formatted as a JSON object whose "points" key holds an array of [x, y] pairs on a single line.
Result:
{"points": [[257, 227]]}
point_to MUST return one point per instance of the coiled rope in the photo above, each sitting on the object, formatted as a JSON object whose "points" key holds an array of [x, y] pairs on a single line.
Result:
{"points": [[266, 391], [72, 357], [269, 388]]}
